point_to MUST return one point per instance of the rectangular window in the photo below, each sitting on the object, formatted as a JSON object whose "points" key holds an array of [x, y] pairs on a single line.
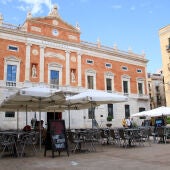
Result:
{"points": [[9, 114], [90, 82], [125, 87], [11, 75], [12, 48], [91, 113], [124, 68], [127, 111], [139, 71], [110, 110], [157, 89], [140, 88], [54, 77], [89, 61], [108, 65], [109, 84], [141, 109]]}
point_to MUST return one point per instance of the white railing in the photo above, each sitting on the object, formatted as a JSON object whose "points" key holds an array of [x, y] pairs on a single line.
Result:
{"points": [[66, 89]]}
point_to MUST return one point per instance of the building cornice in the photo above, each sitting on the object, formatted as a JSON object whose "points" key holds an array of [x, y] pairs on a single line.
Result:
{"points": [[85, 48]]}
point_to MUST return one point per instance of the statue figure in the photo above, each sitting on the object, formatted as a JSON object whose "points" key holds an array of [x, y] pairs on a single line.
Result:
{"points": [[73, 78], [34, 71]]}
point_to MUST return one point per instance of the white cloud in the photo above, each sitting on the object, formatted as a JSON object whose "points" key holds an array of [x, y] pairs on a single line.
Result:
{"points": [[5, 1], [35, 6], [23, 8], [116, 6]]}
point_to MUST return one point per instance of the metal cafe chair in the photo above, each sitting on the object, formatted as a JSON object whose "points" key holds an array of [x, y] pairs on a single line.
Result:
{"points": [[161, 134], [114, 137], [125, 138], [75, 141], [145, 135], [90, 139], [29, 139], [8, 144]]}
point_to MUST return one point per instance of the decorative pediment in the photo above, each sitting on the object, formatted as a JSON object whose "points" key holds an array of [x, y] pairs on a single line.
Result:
{"points": [[109, 74], [91, 71], [55, 65], [12, 58], [56, 55]]}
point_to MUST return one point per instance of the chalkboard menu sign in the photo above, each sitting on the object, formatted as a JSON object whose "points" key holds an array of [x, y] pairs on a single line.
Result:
{"points": [[58, 138]]}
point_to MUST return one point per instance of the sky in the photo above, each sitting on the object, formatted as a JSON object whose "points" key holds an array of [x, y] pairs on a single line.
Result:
{"points": [[128, 24]]}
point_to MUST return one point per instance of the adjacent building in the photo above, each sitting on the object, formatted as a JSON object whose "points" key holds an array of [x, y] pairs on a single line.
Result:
{"points": [[156, 90], [164, 35], [49, 51]]}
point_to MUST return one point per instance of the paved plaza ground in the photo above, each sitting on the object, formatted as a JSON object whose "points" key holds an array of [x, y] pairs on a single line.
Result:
{"points": [[154, 157]]}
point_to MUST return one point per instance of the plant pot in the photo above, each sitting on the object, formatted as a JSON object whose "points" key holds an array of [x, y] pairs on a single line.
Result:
{"points": [[108, 124]]}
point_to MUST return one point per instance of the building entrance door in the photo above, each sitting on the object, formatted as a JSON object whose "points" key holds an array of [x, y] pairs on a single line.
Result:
{"points": [[54, 116]]}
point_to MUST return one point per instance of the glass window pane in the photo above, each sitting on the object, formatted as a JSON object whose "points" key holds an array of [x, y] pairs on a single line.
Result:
{"points": [[11, 72], [127, 111], [90, 82], [9, 114], [109, 84], [125, 86], [110, 110], [140, 88], [54, 77]]}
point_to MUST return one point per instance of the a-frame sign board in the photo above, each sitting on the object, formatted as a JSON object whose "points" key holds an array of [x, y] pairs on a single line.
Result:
{"points": [[56, 139]]}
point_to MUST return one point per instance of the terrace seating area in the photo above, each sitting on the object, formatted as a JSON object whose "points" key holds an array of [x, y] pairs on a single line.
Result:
{"points": [[15, 143], [20, 143]]}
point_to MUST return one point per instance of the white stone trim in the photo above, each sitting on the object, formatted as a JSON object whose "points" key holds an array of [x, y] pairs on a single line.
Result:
{"points": [[140, 80], [56, 67], [92, 73], [126, 78], [109, 75], [12, 60], [41, 64]]}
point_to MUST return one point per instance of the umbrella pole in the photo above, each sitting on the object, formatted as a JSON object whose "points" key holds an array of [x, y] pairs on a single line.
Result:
{"points": [[92, 114], [17, 119], [26, 115], [54, 115], [40, 121], [69, 116]]}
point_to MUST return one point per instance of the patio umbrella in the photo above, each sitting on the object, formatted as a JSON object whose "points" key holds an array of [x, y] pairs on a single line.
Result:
{"points": [[67, 105], [30, 97], [36, 98], [97, 97], [93, 98], [160, 111]]}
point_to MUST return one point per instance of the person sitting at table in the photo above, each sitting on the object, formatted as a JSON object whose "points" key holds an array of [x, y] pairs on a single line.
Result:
{"points": [[27, 128], [124, 122], [128, 122], [38, 127]]}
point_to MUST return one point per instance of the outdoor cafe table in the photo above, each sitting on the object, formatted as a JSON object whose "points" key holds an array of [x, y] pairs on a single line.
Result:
{"points": [[13, 136], [133, 134], [84, 138]]}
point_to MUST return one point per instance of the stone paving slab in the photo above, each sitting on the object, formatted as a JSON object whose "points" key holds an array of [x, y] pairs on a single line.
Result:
{"points": [[154, 157]]}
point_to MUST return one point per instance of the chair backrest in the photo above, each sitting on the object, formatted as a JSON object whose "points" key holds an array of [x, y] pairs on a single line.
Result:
{"points": [[121, 133], [160, 131], [112, 133], [30, 138], [102, 133]]}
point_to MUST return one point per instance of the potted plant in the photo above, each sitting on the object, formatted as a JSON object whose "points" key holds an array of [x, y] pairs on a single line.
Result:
{"points": [[109, 119]]}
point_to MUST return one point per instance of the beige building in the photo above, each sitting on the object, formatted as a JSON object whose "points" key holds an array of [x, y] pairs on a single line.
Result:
{"points": [[164, 34], [156, 90]]}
